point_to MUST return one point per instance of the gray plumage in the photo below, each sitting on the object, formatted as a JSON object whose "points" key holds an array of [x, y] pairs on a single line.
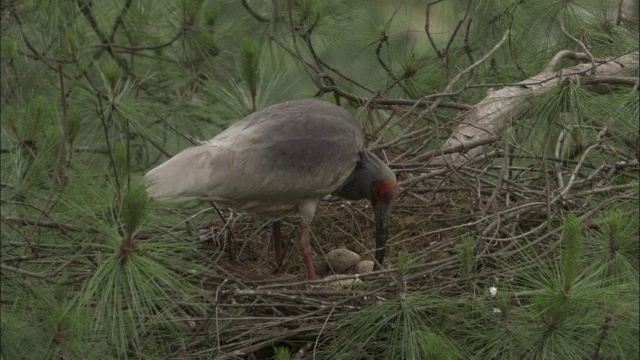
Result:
{"points": [[267, 162], [274, 162]]}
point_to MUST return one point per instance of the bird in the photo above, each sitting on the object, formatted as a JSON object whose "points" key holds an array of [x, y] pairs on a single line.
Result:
{"points": [[279, 161]]}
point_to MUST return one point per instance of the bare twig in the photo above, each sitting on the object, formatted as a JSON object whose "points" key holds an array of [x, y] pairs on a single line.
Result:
{"points": [[565, 54], [582, 45], [254, 13]]}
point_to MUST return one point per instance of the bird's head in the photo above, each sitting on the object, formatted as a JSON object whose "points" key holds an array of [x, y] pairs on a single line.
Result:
{"points": [[373, 180]]}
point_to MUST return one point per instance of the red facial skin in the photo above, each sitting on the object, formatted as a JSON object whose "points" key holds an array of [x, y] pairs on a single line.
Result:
{"points": [[383, 192]]}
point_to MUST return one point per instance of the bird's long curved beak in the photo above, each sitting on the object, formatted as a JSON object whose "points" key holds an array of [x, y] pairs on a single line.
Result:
{"points": [[382, 212]]}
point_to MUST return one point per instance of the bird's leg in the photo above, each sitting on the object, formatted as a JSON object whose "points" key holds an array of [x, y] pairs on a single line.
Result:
{"points": [[276, 240], [305, 249], [307, 209]]}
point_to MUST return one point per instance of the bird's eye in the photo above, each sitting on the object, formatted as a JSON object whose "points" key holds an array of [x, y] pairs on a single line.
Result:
{"points": [[383, 195]]}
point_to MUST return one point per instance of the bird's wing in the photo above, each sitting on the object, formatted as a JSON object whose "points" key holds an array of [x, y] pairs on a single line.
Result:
{"points": [[290, 151], [185, 176]]}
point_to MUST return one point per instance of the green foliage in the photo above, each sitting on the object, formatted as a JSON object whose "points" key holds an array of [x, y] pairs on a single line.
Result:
{"points": [[7, 45], [112, 73], [466, 255], [435, 347], [553, 114], [36, 118], [404, 262], [571, 253], [190, 9], [277, 82], [573, 303], [615, 248], [42, 323], [210, 15], [128, 300], [408, 328], [120, 161], [75, 122], [250, 67], [135, 207], [282, 353]]}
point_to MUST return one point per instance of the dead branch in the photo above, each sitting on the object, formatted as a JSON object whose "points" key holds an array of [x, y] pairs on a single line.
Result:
{"points": [[490, 116]]}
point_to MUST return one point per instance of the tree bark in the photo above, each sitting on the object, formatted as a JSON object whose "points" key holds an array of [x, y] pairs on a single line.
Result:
{"points": [[496, 112], [627, 13]]}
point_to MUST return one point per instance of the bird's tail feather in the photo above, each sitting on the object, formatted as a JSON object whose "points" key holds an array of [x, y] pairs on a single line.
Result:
{"points": [[183, 177]]}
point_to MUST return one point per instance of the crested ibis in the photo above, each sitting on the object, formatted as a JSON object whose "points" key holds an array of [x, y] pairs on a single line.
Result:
{"points": [[279, 161]]}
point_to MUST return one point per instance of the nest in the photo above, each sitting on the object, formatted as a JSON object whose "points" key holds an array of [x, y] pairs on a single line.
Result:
{"points": [[505, 210]]}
